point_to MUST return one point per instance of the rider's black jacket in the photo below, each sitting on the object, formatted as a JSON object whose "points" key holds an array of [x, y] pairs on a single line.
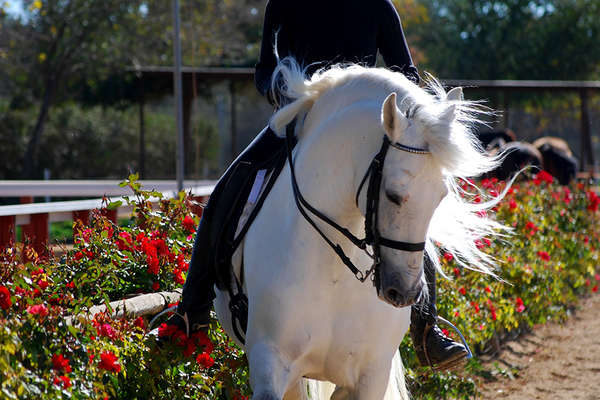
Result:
{"points": [[322, 32]]}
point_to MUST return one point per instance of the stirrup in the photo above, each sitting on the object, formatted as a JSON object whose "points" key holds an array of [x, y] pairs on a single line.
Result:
{"points": [[184, 317], [450, 363], [462, 338]]}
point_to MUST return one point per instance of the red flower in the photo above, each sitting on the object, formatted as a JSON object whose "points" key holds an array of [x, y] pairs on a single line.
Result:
{"points": [[178, 277], [532, 228], [124, 241], [593, 200], [448, 257], [160, 246], [520, 306], [475, 306], [109, 231], [204, 342], [155, 286], [60, 364], [38, 309], [493, 312], [456, 272], [181, 264], [153, 266], [106, 330], [479, 244], [5, 301], [512, 204], [108, 362], [140, 323], [78, 256], [488, 290], [486, 183], [462, 291], [189, 224], [544, 255], [543, 176], [595, 289], [43, 284], [66, 382], [205, 360], [85, 235], [167, 330]]}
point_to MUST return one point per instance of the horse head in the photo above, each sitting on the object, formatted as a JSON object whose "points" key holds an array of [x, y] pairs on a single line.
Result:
{"points": [[412, 187]]}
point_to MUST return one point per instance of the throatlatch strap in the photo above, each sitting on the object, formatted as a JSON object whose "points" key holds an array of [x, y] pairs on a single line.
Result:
{"points": [[301, 203]]}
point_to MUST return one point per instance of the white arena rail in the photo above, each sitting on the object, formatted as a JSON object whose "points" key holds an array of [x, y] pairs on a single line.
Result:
{"points": [[35, 217], [87, 188]]}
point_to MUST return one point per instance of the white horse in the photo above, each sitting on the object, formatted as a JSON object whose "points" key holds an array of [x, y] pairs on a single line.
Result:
{"points": [[310, 318]]}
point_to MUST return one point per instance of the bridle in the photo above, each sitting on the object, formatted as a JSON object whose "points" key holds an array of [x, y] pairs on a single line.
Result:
{"points": [[372, 236]]}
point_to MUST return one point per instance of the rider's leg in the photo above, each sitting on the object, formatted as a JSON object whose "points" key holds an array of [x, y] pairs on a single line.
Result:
{"points": [[433, 348], [198, 294]]}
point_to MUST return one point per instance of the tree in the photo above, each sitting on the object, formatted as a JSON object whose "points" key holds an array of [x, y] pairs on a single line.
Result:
{"points": [[61, 39], [512, 39]]}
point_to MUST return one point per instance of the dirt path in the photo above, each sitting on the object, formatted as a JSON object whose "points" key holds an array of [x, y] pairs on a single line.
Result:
{"points": [[555, 362]]}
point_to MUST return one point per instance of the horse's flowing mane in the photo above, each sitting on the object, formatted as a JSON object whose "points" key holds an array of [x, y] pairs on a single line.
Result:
{"points": [[457, 223]]}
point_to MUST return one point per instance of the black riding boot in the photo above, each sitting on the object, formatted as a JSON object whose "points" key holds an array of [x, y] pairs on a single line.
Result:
{"points": [[193, 312], [433, 348]]}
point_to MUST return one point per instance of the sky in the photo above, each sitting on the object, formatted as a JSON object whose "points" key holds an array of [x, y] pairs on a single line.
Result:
{"points": [[13, 7]]}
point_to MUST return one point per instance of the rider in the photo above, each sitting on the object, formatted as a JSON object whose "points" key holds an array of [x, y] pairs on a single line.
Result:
{"points": [[317, 33]]}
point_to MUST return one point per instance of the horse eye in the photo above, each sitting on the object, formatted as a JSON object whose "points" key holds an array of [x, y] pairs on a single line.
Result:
{"points": [[393, 197]]}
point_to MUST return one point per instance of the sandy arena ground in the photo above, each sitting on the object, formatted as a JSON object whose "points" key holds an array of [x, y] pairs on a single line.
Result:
{"points": [[555, 361]]}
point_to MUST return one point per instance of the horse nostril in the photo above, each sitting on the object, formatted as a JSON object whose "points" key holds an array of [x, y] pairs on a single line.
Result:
{"points": [[394, 296]]}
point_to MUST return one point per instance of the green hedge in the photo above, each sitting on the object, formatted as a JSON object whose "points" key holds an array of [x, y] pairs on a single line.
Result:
{"points": [[548, 262]]}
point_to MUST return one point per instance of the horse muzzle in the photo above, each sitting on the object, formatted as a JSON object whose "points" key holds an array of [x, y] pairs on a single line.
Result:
{"points": [[396, 293]]}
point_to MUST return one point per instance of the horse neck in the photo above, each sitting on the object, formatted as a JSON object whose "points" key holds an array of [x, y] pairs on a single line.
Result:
{"points": [[336, 146]]}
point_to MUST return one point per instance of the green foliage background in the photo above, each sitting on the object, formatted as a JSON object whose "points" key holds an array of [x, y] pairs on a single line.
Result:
{"points": [[63, 55]]}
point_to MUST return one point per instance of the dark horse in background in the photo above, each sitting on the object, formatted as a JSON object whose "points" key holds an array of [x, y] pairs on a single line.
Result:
{"points": [[549, 153]]}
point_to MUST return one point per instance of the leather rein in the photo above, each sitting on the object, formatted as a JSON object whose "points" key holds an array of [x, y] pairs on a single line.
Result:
{"points": [[372, 236]]}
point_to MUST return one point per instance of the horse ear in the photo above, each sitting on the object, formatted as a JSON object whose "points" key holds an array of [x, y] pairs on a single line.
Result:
{"points": [[449, 114], [392, 119], [455, 94]]}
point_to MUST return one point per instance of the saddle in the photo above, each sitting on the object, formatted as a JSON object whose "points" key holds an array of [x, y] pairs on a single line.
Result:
{"points": [[246, 185]]}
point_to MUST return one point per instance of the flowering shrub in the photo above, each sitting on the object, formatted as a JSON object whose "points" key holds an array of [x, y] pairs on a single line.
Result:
{"points": [[50, 349], [549, 261]]}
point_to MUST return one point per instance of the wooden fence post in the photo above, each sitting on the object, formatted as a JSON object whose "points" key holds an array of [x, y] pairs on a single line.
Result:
{"points": [[110, 214], [7, 231], [37, 233]]}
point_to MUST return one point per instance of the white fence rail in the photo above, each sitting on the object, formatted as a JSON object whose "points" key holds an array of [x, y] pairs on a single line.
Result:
{"points": [[35, 217]]}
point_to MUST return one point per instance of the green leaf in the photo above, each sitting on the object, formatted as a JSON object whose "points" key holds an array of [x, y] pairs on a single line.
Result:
{"points": [[114, 205]]}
